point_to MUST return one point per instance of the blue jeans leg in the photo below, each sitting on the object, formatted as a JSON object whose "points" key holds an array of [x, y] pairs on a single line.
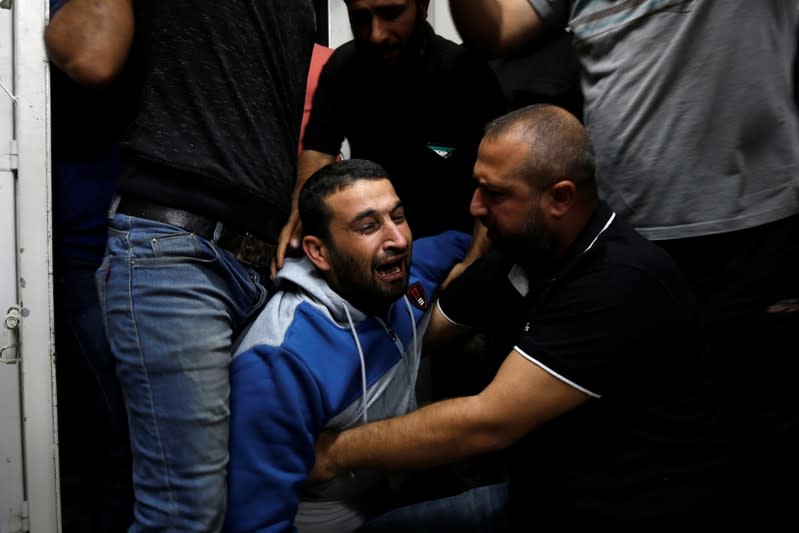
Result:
{"points": [[479, 510], [173, 304]]}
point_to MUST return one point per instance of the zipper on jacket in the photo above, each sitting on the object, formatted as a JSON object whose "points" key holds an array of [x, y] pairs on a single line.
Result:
{"points": [[392, 334]]}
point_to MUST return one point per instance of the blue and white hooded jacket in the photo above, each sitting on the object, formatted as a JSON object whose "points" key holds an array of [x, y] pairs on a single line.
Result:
{"points": [[312, 361]]}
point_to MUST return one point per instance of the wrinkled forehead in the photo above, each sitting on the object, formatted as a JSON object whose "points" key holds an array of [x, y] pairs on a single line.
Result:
{"points": [[501, 160], [363, 196]]}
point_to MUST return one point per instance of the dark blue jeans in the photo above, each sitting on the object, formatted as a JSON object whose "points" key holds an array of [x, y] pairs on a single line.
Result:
{"points": [[93, 432], [479, 510]]}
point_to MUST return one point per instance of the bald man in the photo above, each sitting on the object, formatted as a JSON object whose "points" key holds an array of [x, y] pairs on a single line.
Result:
{"points": [[603, 399]]}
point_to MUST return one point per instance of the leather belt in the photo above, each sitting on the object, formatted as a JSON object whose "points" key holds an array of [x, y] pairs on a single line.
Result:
{"points": [[247, 249]]}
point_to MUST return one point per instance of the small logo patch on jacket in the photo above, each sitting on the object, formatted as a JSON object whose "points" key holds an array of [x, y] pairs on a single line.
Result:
{"points": [[417, 296]]}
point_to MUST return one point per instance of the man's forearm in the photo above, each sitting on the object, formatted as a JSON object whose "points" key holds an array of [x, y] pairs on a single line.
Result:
{"points": [[477, 22], [521, 396], [90, 39], [438, 434], [309, 162], [478, 248]]}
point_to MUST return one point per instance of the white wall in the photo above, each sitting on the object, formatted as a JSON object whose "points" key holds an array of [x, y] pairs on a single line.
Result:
{"points": [[441, 19], [338, 24]]}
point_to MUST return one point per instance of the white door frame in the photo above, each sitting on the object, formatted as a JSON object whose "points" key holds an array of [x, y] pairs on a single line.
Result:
{"points": [[31, 288], [12, 496]]}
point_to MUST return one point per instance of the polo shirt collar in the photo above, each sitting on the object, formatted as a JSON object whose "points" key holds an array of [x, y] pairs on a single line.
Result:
{"points": [[602, 218]]}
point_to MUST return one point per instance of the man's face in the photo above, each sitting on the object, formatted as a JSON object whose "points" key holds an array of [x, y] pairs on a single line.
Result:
{"points": [[369, 252], [506, 203], [386, 29]]}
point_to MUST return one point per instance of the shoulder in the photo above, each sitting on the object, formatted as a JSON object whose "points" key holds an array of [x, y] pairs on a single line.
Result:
{"points": [[341, 72], [628, 250], [444, 46], [270, 326], [628, 276], [457, 57], [444, 249], [468, 79], [292, 322], [342, 57]]}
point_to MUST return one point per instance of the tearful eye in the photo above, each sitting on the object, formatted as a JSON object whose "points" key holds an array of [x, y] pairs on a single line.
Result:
{"points": [[366, 229]]}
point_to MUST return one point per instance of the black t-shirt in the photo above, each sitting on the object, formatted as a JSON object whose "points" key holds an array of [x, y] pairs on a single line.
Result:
{"points": [[422, 120], [546, 71], [218, 121], [617, 321]]}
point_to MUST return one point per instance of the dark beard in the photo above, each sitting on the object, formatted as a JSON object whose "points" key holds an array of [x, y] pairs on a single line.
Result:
{"points": [[534, 248], [366, 294], [410, 52]]}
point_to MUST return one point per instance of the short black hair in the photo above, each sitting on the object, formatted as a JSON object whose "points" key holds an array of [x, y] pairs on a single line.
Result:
{"points": [[314, 213]]}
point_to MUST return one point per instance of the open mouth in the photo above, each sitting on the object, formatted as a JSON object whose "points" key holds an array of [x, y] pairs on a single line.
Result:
{"points": [[391, 270]]}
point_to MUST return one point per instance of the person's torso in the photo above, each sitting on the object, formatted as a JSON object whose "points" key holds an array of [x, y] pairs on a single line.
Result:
{"points": [[690, 107], [616, 320], [217, 127], [422, 122]]}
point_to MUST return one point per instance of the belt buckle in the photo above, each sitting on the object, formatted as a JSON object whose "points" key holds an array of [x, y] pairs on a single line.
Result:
{"points": [[254, 251]]}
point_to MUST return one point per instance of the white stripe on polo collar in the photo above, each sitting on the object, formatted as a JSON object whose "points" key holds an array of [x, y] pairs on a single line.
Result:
{"points": [[518, 277], [612, 216]]}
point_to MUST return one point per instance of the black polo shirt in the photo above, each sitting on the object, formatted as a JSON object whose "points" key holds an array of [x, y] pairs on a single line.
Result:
{"points": [[422, 119], [617, 321]]}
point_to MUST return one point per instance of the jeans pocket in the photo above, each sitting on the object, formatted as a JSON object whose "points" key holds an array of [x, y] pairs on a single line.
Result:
{"points": [[182, 246]]}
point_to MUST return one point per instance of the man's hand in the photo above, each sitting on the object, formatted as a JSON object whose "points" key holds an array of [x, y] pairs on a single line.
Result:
{"points": [[480, 245], [290, 236], [325, 468]]}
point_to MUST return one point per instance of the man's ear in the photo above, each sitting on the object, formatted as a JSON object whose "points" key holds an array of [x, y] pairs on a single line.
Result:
{"points": [[316, 251], [561, 197]]}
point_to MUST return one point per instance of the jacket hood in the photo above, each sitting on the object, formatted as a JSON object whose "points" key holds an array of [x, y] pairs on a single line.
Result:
{"points": [[303, 274]]}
